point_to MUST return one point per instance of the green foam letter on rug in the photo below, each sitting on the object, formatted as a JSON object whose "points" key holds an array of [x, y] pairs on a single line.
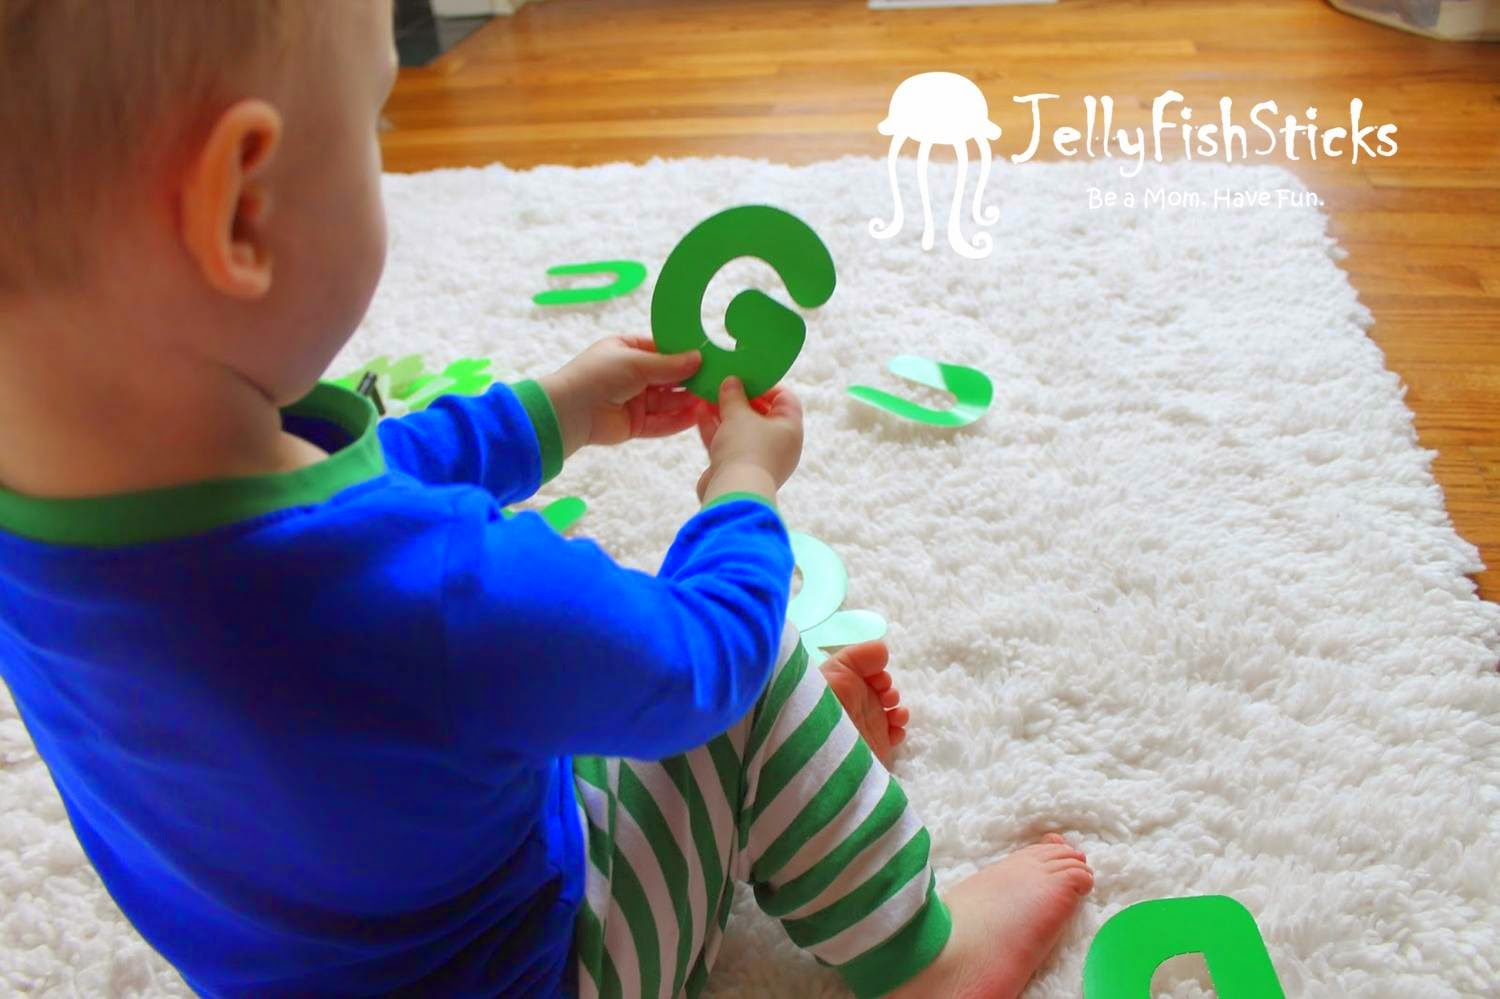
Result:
{"points": [[560, 514], [1135, 941], [768, 336], [625, 276], [972, 390], [814, 611], [406, 386]]}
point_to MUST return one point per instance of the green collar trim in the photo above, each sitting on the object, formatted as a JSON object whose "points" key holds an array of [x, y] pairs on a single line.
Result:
{"points": [[132, 518]]}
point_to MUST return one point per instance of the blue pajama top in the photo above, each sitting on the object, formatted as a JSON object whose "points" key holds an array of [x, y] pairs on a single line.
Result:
{"points": [[313, 729]]}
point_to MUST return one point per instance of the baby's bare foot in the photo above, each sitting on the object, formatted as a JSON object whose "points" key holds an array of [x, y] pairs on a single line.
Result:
{"points": [[857, 675], [1006, 920]]}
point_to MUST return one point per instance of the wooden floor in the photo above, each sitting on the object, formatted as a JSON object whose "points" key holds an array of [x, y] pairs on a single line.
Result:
{"points": [[592, 81]]}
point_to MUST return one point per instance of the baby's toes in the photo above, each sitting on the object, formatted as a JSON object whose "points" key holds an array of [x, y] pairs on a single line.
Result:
{"points": [[890, 698], [865, 659], [880, 682], [897, 717], [1079, 878]]}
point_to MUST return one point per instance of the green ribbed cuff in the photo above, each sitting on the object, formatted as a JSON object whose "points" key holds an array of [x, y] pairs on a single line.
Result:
{"points": [[741, 495], [544, 421], [898, 960]]}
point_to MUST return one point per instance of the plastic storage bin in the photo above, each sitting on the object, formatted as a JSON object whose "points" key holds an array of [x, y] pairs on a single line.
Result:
{"points": [[1454, 20]]}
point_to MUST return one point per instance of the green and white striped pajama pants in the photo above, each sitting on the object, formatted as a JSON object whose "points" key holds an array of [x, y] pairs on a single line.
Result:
{"points": [[791, 800]]}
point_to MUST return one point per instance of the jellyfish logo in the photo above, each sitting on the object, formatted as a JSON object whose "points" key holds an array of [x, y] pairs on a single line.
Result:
{"points": [[943, 109]]}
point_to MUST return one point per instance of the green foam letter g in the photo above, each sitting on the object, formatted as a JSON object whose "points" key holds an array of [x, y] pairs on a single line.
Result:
{"points": [[768, 336]]}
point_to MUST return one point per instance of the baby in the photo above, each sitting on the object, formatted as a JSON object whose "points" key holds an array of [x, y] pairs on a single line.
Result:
{"points": [[323, 720]]}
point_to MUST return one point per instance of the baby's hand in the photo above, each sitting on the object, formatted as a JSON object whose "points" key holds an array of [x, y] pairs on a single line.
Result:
{"points": [[752, 447], [620, 388]]}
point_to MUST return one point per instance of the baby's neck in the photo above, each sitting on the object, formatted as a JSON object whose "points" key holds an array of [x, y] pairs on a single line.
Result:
{"points": [[91, 411]]}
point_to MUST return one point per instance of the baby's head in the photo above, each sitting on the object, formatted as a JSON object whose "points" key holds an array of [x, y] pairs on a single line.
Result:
{"points": [[206, 171]]}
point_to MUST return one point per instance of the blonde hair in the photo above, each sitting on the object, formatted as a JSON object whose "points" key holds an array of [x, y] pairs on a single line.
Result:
{"points": [[90, 90]]}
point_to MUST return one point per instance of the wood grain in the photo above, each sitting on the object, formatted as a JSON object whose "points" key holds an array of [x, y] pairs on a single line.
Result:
{"points": [[582, 82]]}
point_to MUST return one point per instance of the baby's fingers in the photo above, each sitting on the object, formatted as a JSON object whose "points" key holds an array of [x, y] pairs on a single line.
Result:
{"points": [[732, 397], [638, 341], [669, 399], [667, 411], [708, 424], [652, 368], [783, 404]]}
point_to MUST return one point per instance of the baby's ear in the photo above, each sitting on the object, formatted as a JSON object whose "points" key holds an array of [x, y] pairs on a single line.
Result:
{"points": [[225, 200]]}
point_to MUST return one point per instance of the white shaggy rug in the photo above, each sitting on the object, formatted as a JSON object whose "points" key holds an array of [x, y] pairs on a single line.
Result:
{"points": [[1188, 592]]}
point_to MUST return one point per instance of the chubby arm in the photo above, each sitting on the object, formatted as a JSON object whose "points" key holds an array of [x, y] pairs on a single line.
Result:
{"points": [[507, 441], [553, 648]]}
